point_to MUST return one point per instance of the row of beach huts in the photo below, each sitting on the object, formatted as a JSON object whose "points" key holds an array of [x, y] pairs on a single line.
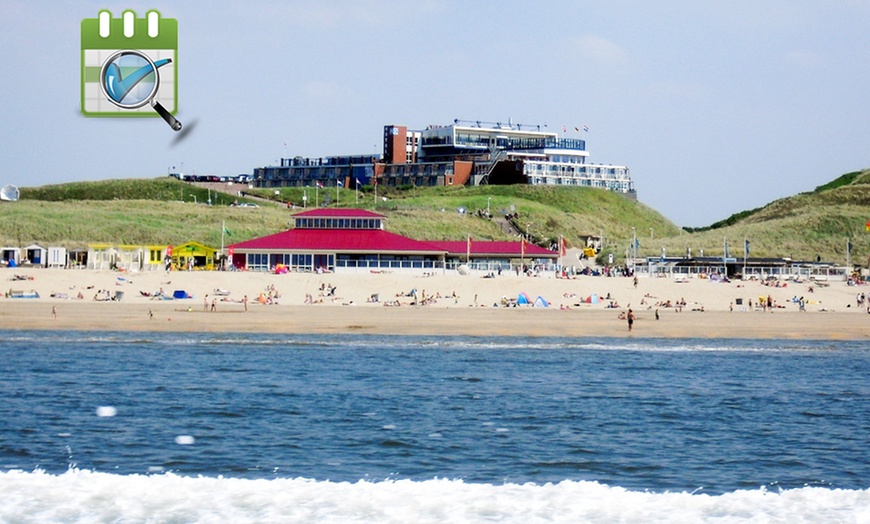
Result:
{"points": [[191, 255]]}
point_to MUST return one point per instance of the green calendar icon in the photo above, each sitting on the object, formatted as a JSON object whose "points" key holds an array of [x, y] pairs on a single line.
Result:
{"points": [[130, 66]]}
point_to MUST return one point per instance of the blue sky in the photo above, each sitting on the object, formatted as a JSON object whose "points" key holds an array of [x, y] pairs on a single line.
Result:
{"points": [[716, 107]]}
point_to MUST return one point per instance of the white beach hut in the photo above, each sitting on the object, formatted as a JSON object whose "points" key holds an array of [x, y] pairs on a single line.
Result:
{"points": [[10, 256], [56, 257], [35, 255], [101, 256]]}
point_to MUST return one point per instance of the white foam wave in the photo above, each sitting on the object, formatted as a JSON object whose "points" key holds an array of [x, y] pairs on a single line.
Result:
{"points": [[248, 340], [80, 495]]}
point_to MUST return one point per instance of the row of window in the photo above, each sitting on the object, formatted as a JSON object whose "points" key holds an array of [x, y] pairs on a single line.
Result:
{"points": [[338, 223], [613, 185], [295, 261], [598, 170]]}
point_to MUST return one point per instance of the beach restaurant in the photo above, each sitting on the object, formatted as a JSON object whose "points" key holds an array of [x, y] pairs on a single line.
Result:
{"points": [[351, 239]]}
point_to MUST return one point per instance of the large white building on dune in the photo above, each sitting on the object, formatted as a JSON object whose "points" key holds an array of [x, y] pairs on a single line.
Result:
{"points": [[461, 153]]}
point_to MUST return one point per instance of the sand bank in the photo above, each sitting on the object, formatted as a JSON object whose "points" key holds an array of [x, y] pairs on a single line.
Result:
{"points": [[713, 309]]}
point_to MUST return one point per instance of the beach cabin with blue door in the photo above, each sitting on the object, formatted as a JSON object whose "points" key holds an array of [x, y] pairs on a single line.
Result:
{"points": [[10, 256], [35, 255]]}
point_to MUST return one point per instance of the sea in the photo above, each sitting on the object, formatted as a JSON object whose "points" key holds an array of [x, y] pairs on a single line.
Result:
{"points": [[180, 427]]}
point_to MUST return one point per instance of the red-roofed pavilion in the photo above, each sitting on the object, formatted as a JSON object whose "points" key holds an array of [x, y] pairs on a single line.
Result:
{"points": [[330, 238]]}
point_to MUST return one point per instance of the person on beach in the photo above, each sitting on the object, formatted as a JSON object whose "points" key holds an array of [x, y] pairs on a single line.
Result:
{"points": [[245, 302], [630, 317], [53, 312]]}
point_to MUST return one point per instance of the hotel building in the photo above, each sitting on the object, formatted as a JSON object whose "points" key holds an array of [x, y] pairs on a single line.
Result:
{"points": [[462, 153]]}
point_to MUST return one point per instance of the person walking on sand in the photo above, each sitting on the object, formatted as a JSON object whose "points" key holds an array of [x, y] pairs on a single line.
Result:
{"points": [[630, 317], [53, 312], [245, 302]]}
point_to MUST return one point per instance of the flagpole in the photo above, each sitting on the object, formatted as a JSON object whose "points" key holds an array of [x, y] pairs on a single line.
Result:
{"points": [[522, 250], [336, 193], [468, 250], [223, 230], [848, 256], [316, 194], [745, 254]]}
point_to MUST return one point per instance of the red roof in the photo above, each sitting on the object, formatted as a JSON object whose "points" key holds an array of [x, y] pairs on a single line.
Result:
{"points": [[339, 240], [332, 212], [488, 247]]}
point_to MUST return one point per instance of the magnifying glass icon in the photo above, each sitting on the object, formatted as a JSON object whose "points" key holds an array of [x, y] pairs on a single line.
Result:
{"points": [[129, 79]]}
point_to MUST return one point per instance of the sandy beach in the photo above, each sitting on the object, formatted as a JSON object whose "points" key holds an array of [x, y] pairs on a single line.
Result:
{"points": [[277, 304]]}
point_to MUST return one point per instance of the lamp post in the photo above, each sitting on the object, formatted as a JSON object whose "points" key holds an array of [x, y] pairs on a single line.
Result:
{"points": [[488, 200], [194, 198]]}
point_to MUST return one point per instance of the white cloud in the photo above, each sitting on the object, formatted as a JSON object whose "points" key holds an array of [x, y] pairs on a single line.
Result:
{"points": [[598, 48]]}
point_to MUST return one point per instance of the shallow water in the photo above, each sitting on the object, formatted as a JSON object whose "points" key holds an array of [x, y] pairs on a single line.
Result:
{"points": [[476, 427]]}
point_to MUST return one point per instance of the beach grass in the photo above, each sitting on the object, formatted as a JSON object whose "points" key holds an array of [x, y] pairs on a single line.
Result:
{"points": [[164, 210]]}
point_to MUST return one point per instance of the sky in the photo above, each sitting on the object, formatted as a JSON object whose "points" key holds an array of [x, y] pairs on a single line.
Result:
{"points": [[716, 107]]}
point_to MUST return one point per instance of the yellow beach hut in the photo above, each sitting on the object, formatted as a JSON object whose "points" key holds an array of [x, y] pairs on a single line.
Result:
{"points": [[193, 255]]}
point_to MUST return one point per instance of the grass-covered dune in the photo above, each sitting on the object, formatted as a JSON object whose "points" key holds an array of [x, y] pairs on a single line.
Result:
{"points": [[165, 210]]}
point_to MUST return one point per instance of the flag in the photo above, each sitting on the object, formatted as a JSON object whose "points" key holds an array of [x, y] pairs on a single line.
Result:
{"points": [[576, 129], [849, 246], [339, 183], [523, 247], [227, 231], [564, 129], [745, 248], [319, 184], [563, 246], [358, 183], [468, 249], [586, 128], [867, 225], [230, 251]]}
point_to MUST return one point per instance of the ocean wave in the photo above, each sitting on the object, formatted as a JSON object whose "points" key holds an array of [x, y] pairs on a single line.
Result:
{"points": [[421, 343], [83, 495]]}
